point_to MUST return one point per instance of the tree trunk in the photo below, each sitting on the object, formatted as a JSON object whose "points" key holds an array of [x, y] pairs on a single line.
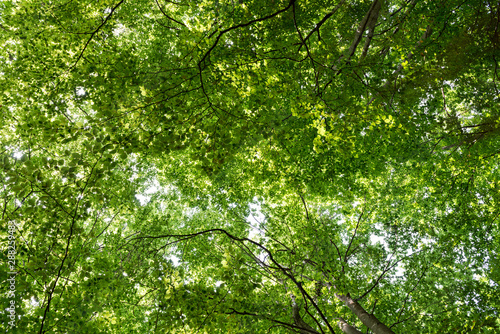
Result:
{"points": [[369, 320], [304, 327], [346, 328]]}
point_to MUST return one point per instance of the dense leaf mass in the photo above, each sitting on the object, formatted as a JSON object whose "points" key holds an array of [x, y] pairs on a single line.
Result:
{"points": [[229, 166]]}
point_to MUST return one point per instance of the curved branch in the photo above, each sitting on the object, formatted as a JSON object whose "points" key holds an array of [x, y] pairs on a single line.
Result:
{"points": [[95, 32], [320, 23], [167, 16], [241, 25], [284, 270]]}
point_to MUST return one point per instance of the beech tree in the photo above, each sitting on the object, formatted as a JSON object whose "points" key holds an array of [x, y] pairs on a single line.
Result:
{"points": [[284, 166]]}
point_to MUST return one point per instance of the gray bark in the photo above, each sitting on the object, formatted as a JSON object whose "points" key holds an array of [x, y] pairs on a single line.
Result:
{"points": [[370, 25], [304, 327], [368, 22], [346, 328], [369, 320]]}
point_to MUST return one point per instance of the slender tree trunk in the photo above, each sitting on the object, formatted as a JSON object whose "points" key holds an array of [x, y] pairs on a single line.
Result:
{"points": [[346, 328], [369, 320], [304, 327], [368, 22]]}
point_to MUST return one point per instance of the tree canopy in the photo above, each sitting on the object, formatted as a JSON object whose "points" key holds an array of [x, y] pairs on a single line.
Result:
{"points": [[280, 166]]}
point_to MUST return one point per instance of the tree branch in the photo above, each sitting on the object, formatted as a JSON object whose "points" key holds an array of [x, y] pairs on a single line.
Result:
{"points": [[241, 25], [346, 328], [370, 18], [320, 23], [369, 320], [167, 16], [95, 32]]}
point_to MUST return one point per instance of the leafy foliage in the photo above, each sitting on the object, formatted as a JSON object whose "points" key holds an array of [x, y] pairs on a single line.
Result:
{"points": [[251, 166]]}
